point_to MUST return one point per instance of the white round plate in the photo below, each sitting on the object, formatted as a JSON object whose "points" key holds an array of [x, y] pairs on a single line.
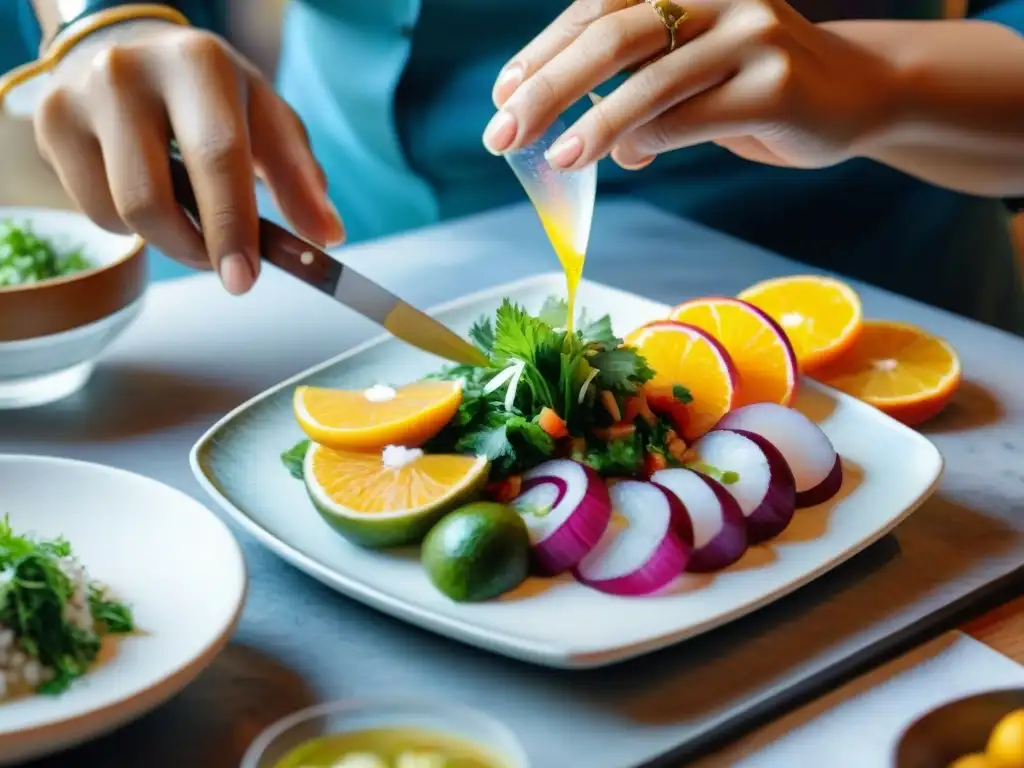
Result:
{"points": [[159, 550]]}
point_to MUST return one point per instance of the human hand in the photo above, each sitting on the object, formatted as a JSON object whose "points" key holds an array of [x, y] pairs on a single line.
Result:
{"points": [[105, 126], [751, 75]]}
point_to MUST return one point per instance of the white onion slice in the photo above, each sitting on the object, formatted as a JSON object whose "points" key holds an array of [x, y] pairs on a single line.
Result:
{"points": [[566, 509], [645, 547], [764, 490], [817, 469], [719, 528]]}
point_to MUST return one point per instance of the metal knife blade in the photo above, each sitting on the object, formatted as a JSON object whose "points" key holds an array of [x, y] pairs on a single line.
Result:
{"points": [[313, 266]]}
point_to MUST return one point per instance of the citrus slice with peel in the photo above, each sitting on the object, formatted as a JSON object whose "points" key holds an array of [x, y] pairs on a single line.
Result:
{"points": [[684, 355], [392, 497], [821, 316], [368, 420], [756, 344], [898, 368]]}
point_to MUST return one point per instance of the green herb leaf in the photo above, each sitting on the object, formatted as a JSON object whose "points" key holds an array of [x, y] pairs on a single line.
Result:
{"points": [[481, 333], [554, 312], [35, 592], [294, 458], [509, 441], [622, 370], [682, 394], [623, 456], [600, 332], [115, 617]]}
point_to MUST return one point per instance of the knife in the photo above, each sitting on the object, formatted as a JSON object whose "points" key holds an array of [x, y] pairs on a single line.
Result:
{"points": [[311, 265]]}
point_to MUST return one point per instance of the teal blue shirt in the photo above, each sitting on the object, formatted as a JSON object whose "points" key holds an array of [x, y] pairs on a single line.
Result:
{"points": [[396, 94]]}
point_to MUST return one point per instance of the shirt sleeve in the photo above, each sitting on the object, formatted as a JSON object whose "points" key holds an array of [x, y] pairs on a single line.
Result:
{"points": [[1007, 12], [208, 14]]}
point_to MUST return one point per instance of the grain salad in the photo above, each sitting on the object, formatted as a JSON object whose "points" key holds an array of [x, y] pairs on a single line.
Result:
{"points": [[53, 617]]}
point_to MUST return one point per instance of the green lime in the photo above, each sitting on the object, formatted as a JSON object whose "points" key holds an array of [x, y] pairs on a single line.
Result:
{"points": [[477, 552]]}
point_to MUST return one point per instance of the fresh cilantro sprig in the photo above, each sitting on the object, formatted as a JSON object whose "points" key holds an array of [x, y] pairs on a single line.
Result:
{"points": [[558, 367], [34, 594]]}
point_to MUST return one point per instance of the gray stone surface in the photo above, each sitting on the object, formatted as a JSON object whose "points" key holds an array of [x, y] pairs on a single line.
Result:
{"points": [[196, 352]]}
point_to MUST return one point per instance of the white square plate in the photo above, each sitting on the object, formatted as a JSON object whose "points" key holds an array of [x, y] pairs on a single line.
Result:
{"points": [[889, 471]]}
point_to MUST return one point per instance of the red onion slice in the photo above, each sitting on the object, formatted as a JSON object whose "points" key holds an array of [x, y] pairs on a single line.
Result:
{"points": [[764, 489], [817, 469], [719, 528], [645, 547], [566, 509]]}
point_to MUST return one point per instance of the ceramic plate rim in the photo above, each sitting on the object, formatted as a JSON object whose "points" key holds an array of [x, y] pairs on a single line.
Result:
{"points": [[133, 703], [517, 646]]}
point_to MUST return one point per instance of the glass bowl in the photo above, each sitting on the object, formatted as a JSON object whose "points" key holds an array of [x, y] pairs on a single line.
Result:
{"points": [[339, 717]]}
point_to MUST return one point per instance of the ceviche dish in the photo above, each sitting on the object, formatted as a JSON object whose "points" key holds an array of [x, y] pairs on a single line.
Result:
{"points": [[623, 463], [53, 617]]}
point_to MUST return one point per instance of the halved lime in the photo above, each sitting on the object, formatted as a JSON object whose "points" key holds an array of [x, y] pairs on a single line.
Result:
{"points": [[389, 498]]}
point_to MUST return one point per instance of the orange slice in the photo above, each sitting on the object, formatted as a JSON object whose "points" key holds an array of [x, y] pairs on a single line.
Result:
{"points": [[682, 354], [756, 344], [391, 497], [368, 420], [899, 369], [821, 315]]}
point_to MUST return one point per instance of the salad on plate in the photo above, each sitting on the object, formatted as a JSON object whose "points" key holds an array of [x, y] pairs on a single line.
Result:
{"points": [[53, 616], [624, 463]]}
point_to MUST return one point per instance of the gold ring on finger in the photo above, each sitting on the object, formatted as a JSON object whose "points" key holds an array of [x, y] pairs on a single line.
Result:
{"points": [[671, 15]]}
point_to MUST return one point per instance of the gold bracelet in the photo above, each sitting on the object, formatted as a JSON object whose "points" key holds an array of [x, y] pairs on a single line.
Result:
{"points": [[68, 38], [78, 30]]}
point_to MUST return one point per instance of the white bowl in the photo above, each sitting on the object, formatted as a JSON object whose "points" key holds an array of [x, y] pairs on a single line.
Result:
{"points": [[168, 557], [52, 332]]}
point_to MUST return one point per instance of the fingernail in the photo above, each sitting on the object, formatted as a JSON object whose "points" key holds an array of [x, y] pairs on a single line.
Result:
{"points": [[639, 165], [338, 227], [500, 132], [565, 152], [235, 273], [510, 78]]}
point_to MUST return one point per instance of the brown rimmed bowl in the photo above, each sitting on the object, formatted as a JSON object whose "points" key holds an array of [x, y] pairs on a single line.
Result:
{"points": [[51, 332], [961, 727]]}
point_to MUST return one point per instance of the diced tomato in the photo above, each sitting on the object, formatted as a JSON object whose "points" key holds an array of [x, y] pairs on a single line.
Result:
{"points": [[637, 406], [631, 409], [611, 405], [666, 404], [552, 423], [677, 449], [614, 432], [646, 413], [654, 462], [503, 491]]}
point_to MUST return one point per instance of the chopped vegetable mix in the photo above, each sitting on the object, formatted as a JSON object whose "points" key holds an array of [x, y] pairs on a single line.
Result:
{"points": [[547, 393], [58, 617], [26, 258]]}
